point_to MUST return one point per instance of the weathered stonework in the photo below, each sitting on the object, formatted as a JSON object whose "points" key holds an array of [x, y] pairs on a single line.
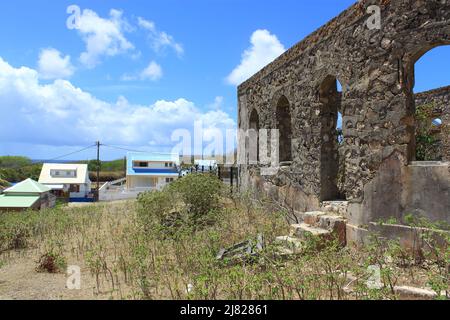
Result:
{"points": [[376, 71], [439, 100]]}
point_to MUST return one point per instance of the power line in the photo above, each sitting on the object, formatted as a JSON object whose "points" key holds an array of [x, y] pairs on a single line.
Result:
{"points": [[103, 145], [131, 150], [75, 152], [69, 154]]}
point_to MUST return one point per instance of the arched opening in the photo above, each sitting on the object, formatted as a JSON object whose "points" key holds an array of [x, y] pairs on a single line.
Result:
{"points": [[254, 137], [339, 129], [332, 170], [437, 122], [429, 81], [284, 125]]}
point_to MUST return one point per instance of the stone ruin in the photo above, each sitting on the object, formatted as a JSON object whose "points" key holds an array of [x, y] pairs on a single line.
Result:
{"points": [[372, 172]]}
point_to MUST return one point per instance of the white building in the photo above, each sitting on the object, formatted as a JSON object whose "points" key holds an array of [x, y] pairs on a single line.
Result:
{"points": [[146, 171], [206, 165], [67, 180]]}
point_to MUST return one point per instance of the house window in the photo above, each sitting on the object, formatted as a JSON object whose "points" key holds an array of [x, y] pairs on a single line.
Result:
{"points": [[70, 173], [169, 180], [63, 173], [141, 164], [55, 173], [74, 188]]}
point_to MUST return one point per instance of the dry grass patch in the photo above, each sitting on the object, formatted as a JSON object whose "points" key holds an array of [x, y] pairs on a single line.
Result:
{"points": [[128, 250]]}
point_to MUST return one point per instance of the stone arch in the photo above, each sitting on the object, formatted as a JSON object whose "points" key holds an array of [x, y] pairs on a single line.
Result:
{"points": [[409, 79], [330, 105], [284, 125], [254, 127]]}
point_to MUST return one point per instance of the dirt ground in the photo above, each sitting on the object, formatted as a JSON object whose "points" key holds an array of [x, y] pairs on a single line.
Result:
{"points": [[19, 280]]}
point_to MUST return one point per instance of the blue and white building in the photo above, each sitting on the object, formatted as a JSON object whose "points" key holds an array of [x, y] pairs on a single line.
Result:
{"points": [[147, 171]]}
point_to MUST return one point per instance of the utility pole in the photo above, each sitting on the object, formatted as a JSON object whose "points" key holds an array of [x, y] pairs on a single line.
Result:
{"points": [[125, 166], [231, 178], [98, 171]]}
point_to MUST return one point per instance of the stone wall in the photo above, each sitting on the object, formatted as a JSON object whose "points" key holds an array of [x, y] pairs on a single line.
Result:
{"points": [[439, 102], [376, 71]]}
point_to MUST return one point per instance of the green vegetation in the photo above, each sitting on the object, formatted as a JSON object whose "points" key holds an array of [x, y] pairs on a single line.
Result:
{"points": [[16, 169], [109, 170], [427, 142], [189, 203], [107, 166], [52, 262], [106, 176], [164, 246], [13, 162], [4, 183]]}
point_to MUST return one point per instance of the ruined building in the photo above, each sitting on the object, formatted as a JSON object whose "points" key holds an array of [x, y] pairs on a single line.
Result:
{"points": [[374, 174]]}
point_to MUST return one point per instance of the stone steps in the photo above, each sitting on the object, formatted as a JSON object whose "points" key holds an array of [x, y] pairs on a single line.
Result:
{"points": [[289, 245], [326, 225], [303, 231], [337, 207]]}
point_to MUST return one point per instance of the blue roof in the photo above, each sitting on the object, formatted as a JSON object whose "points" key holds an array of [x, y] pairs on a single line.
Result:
{"points": [[152, 157]]}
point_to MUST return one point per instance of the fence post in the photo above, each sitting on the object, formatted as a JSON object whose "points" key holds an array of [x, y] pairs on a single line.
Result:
{"points": [[219, 173], [231, 178]]}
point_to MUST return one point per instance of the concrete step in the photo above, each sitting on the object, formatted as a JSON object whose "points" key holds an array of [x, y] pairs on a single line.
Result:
{"points": [[303, 231], [321, 219], [310, 218], [337, 207], [336, 224], [327, 226], [291, 244]]}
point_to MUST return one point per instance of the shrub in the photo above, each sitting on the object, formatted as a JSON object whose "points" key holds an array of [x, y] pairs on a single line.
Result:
{"points": [[4, 184], [156, 209], [106, 176], [20, 174], [51, 262], [199, 192], [190, 202]]}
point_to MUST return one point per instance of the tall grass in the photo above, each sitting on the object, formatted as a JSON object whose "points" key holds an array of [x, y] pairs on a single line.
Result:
{"points": [[132, 252]]}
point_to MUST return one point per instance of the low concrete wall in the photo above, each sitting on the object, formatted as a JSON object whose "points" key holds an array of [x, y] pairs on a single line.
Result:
{"points": [[399, 189], [411, 239], [427, 192]]}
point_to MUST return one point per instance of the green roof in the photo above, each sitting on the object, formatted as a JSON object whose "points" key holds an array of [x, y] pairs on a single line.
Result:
{"points": [[28, 186], [11, 201]]}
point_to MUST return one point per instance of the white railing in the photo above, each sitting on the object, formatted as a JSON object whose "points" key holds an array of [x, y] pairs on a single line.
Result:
{"points": [[118, 181]]}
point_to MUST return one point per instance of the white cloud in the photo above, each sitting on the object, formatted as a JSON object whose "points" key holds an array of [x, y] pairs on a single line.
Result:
{"points": [[265, 48], [152, 72], [60, 114], [52, 65], [160, 39], [103, 37], [217, 104]]}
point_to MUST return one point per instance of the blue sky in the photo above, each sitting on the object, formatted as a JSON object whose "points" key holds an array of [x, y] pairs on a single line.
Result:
{"points": [[137, 70]]}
